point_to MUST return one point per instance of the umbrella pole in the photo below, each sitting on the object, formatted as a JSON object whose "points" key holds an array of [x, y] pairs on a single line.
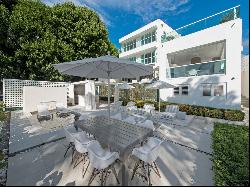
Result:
{"points": [[159, 102], [108, 96]]}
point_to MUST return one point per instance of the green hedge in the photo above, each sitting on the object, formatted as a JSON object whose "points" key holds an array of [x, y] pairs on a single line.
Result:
{"points": [[2, 114], [230, 155], [232, 115]]}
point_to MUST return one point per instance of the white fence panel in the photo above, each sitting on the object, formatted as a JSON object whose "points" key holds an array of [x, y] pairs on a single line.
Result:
{"points": [[13, 90]]}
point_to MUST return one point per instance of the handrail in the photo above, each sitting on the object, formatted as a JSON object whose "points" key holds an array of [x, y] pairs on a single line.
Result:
{"points": [[207, 17], [198, 63], [176, 33]]}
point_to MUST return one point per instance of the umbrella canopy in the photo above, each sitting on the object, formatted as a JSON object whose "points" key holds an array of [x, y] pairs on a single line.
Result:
{"points": [[107, 67], [124, 86], [159, 85]]}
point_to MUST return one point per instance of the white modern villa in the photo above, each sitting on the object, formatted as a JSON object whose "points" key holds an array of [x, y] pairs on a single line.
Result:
{"points": [[202, 59]]}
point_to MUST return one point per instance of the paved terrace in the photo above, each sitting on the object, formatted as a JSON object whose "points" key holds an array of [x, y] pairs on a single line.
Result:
{"points": [[36, 153]]}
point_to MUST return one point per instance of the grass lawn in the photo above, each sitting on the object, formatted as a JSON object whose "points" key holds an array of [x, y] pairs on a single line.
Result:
{"points": [[231, 155]]}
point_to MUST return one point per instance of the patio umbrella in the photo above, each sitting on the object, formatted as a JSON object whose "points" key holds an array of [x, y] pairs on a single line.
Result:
{"points": [[157, 85], [121, 86], [106, 67]]}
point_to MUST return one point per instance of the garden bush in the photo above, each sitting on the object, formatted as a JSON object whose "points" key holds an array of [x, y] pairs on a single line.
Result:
{"points": [[232, 115], [230, 155]]}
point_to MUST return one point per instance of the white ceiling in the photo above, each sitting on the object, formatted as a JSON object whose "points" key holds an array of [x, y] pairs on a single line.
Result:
{"points": [[205, 52]]}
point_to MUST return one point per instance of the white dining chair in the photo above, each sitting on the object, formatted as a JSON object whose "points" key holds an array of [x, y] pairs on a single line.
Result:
{"points": [[147, 155], [102, 162], [70, 133], [81, 141]]}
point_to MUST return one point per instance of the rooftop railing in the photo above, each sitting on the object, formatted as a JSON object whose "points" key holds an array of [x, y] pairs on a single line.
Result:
{"points": [[216, 19]]}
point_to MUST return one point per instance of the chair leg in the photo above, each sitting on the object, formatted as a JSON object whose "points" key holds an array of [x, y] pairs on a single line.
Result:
{"points": [[77, 163], [149, 180], [86, 170], [92, 177], [135, 169], [73, 152], [102, 177], [105, 177], [116, 176], [69, 146], [157, 170]]}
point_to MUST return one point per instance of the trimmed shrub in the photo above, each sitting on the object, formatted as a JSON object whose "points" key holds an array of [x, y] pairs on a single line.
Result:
{"points": [[234, 115], [2, 116], [230, 155]]}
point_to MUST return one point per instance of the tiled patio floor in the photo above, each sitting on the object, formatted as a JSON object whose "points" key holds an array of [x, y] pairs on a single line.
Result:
{"points": [[185, 161]]}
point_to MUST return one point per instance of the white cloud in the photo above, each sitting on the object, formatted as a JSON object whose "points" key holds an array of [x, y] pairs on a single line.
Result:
{"points": [[246, 43], [147, 10]]}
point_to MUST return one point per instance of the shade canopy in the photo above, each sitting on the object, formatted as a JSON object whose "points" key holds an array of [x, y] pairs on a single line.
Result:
{"points": [[159, 85], [124, 86], [107, 67]]}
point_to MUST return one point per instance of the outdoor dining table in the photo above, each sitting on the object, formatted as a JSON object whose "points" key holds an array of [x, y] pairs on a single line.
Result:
{"points": [[120, 136]]}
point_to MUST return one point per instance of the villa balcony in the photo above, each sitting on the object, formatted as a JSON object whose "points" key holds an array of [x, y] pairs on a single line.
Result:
{"points": [[207, 68], [216, 19]]}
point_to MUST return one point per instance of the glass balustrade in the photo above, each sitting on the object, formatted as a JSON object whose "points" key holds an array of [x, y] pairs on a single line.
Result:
{"points": [[208, 68], [202, 24]]}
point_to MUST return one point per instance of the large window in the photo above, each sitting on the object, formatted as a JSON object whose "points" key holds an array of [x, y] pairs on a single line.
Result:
{"points": [[213, 90], [218, 90], [181, 90], [207, 90], [132, 59], [148, 58], [129, 45], [148, 38], [176, 91], [184, 90]]}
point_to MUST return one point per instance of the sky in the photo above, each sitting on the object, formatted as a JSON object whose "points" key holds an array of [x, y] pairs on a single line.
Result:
{"points": [[125, 16]]}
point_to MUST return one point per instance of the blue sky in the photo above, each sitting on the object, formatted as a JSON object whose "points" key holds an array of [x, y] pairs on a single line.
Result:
{"points": [[125, 16]]}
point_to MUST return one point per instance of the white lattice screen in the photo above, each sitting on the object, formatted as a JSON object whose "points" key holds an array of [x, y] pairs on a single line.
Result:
{"points": [[13, 90]]}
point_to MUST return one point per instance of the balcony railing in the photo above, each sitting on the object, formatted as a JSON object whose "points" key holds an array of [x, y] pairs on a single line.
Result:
{"points": [[208, 68], [216, 19]]}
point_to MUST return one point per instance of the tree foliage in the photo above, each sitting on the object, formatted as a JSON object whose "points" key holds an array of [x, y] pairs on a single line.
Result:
{"points": [[35, 36]]}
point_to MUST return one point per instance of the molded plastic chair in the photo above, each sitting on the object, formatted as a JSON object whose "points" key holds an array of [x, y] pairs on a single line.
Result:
{"points": [[70, 133], [117, 116], [147, 155], [61, 110], [102, 161], [130, 119], [81, 141], [148, 124], [43, 113]]}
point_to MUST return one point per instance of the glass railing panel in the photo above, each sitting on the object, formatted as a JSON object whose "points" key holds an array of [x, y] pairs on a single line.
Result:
{"points": [[210, 21], [209, 68]]}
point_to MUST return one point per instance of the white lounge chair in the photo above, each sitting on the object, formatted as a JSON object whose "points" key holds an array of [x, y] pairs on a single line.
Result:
{"points": [[172, 110], [43, 113], [148, 107]]}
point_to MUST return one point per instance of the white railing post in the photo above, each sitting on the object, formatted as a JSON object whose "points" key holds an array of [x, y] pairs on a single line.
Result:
{"points": [[235, 13]]}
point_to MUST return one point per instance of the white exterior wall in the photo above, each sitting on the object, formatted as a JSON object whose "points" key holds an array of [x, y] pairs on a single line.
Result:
{"points": [[33, 96], [231, 32], [245, 76], [157, 25]]}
